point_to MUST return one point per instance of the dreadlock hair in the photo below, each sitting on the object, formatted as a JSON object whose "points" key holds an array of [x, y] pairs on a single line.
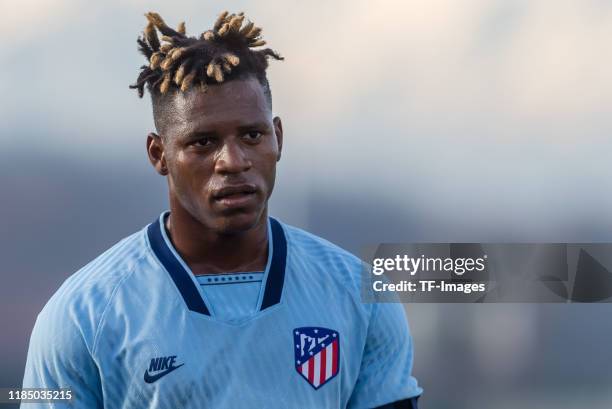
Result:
{"points": [[178, 63]]}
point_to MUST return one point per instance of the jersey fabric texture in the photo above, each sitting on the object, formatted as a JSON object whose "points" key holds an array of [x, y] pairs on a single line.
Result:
{"points": [[135, 328], [231, 297]]}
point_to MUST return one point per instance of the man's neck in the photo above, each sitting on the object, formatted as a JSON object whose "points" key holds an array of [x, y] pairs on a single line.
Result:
{"points": [[208, 252]]}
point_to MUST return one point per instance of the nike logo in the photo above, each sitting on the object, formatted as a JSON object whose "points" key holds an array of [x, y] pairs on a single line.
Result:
{"points": [[148, 378], [157, 364]]}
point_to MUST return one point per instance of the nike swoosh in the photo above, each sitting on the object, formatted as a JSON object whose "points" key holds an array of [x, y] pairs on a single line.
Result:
{"points": [[152, 378]]}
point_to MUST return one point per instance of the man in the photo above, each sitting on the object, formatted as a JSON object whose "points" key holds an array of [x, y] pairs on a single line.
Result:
{"points": [[215, 304]]}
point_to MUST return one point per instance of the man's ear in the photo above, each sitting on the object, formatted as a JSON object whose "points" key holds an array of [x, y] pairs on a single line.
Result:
{"points": [[278, 130], [155, 150]]}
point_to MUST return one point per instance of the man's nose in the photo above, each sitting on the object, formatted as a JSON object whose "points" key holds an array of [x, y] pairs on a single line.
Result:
{"points": [[232, 159]]}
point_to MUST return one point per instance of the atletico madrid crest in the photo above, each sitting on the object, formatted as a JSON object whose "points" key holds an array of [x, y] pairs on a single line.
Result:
{"points": [[317, 354]]}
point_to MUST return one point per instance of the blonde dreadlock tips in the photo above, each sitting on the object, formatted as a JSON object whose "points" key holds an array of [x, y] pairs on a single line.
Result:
{"points": [[177, 53], [208, 35], [223, 30], [155, 60], [180, 74], [254, 33], [218, 73], [188, 80], [151, 36], [165, 48], [214, 71], [235, 23], [155, 19], [166, 64], [247, 27], [220, 20], [163, 88], [231, 59], [210, 70]]}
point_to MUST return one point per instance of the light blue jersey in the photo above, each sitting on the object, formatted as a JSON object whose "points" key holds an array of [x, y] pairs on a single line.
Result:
{"points": [[135, 328]]}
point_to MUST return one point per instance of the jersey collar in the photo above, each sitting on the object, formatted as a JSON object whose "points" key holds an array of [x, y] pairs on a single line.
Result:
{"points": [[184, 279]]}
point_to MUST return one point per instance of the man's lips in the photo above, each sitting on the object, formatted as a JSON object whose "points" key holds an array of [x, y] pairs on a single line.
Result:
{"points": [[235, 196], [234, 190]]}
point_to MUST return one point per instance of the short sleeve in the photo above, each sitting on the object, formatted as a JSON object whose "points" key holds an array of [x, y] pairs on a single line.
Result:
{"points": [[385, 374], [59, 358]]}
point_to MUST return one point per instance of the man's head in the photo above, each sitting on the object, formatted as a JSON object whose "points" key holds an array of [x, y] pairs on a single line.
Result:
{"points": [[216, 139]]}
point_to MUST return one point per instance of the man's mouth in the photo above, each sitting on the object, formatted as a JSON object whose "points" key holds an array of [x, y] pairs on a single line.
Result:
{"points": [[235, 196]]}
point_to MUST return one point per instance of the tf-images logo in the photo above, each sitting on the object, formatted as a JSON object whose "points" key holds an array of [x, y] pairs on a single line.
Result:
{"points": [[160, 367]]}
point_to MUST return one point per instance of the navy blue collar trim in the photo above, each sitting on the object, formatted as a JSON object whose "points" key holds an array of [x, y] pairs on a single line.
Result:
{"points": [[181, 278], [276, 275], [186, 286]]}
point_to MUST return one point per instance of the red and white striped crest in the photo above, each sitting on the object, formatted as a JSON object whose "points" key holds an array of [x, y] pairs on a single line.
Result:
{"points": [[317, 354]]}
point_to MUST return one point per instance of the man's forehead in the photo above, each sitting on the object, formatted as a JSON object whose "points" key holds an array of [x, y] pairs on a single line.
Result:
{"points": [[232, 119], [236, 103], [236, 98]]}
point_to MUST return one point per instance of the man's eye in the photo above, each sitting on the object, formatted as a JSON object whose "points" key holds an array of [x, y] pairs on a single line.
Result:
{"points": [[253, 135], [203, 142]]}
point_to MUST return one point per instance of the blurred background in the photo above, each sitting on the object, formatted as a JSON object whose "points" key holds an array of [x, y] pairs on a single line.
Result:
{"points": [[405, 121]]}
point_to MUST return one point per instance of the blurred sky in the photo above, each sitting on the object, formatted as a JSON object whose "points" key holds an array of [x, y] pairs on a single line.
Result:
{"points": [[474, 114], [437, 120]]}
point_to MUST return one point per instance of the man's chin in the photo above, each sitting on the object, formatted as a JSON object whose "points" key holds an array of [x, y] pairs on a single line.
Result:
{"points": [[237, 222]]}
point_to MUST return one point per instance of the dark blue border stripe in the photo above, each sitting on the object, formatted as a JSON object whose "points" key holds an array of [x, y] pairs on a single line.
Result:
{"points": [[276, 275], [181, 278]]}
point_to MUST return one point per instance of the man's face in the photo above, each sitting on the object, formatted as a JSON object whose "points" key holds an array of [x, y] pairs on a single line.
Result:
{"points": [[220, 150]]}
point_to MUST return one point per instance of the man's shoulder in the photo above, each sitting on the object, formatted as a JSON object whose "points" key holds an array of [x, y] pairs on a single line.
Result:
{"points": [[113, 264], [85, 294], [320, 259], [308, 243]]}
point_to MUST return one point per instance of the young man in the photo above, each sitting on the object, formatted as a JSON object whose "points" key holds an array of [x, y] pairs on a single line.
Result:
{"points": [[215, 304]]}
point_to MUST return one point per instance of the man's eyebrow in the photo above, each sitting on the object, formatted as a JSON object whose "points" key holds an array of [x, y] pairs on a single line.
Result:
{"points": [[247, 126], [255, 125], [197, 134]]}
